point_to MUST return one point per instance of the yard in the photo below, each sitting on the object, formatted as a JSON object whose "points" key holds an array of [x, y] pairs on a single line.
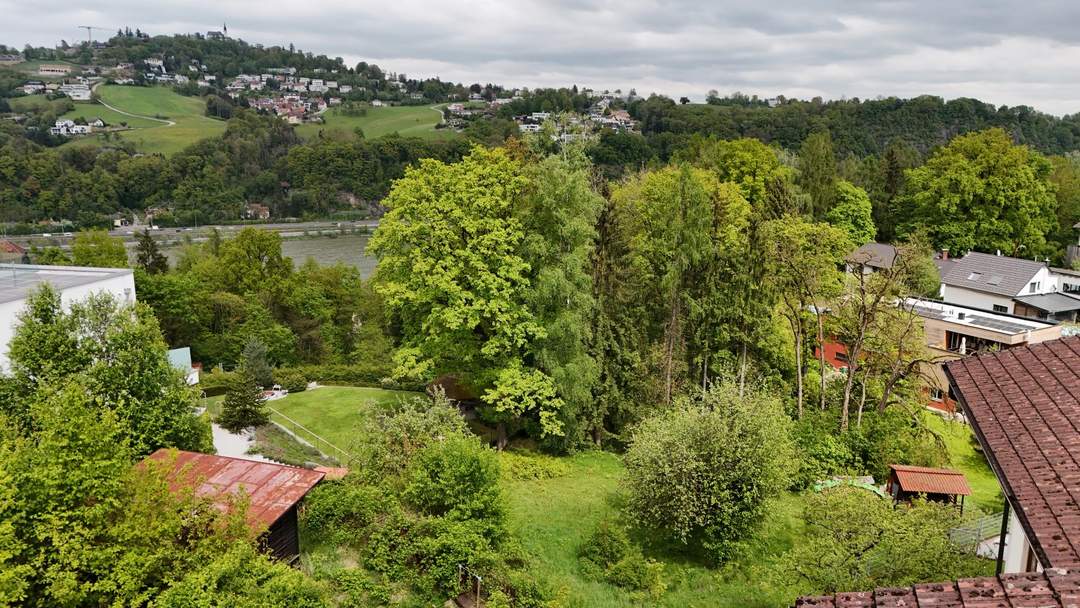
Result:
{"points": [[408, 121], [332, 412]]}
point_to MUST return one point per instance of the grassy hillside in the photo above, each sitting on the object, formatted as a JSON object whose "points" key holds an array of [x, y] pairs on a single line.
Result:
{"points": [[150, 103], [332, 412], [409, 121]]}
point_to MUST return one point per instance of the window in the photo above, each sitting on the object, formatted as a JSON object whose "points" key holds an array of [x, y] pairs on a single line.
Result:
{"points": [[1034, 286], [975, 276], [1000, 308], [936, 394]]}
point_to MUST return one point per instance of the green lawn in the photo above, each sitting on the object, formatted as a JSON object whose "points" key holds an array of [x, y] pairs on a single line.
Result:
{"points": [[332, 412], [409, 121], [960, 442], [552, 517], [90, 111], [32, 103], [154, 136]]}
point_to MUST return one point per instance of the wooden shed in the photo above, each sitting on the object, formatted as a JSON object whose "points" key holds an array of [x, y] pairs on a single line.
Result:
{"points": [[941, 485], [273, 490]]}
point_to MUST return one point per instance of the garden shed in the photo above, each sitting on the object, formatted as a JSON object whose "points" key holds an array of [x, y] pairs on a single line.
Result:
{"points": [[940, 485], [274, 491]]}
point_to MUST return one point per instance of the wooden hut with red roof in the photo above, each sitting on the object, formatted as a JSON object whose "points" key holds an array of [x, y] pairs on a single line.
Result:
{"points": [[273, 491], [939, 485]]}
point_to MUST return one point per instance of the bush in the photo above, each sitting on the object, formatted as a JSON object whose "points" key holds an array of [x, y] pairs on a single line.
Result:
{"points": [[216, 382], [356, 375], [292, 380], [385, 446], [530, 466], [703, 472], [609, 555], [341, 511], [458, 478]]}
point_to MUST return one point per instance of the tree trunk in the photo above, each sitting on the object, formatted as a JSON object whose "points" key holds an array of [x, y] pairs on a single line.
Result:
{"points": [[500, 436], [742, 371], [598, 435], [796, 328], [862, 398], [669, 347], [821, 353], [845, 410]]}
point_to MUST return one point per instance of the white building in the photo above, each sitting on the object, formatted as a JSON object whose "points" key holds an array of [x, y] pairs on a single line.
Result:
{"points": [[18, 281], [993, 282], [77, 92], [68, 128]]}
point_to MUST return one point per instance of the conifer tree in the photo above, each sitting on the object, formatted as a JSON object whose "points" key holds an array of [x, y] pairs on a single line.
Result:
{"points": [[244, 406]]}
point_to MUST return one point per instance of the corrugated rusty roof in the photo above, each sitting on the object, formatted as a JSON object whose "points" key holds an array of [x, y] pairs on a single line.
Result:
{"points": [[1024, 405], [1054, 588], [926, 480], [272, 488]]}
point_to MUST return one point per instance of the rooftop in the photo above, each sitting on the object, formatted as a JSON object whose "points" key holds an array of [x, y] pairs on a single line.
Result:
{"points": [[1051, 302], [1001, 323], [990, 273], [272, 488], [874, 255], [926, 480], [17, 281], [1055, 588], [1024, 406]]}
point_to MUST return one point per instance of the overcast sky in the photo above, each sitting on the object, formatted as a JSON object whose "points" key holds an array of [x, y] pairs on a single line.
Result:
{"points": [[1001, 52]]}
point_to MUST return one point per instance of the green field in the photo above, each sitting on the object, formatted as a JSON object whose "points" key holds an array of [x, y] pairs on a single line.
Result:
{"points": [[161, 103], [32, 103], [90, 111], [332, 412], [408, 121]]}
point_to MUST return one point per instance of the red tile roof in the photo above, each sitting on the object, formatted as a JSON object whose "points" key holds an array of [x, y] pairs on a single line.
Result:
{"points": [[1024, 405], [272, 488], [926, 480], [1055, 588]]}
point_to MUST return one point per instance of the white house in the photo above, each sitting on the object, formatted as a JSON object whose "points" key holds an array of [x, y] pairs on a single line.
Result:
{"points": [[18, 281], [77, 91], [68, 128], [993, 282]]}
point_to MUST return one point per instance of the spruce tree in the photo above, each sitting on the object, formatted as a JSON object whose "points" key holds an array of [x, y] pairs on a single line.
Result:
{"points": [[244, 405], [254, 359], [148, 256]]}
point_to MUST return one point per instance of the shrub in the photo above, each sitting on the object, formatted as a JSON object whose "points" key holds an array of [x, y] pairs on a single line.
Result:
{"points": [[609, 555], [458, 478], [341, 511], [385, 446], [292, 380], [216, 382], [703, 472], [530, 466]]}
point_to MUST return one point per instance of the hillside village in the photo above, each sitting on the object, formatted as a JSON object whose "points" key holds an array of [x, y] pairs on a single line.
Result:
{"points": [[278, 331]]}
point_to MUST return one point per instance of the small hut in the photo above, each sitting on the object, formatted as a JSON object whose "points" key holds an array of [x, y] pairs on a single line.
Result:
{"points": [[940, 485], [274, 491]]}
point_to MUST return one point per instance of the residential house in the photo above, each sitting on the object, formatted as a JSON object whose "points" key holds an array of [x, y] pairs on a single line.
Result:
{"points": [[256, 211], [33, 87], [345, 88], [273, 491], [1020, 403], [76, 91], [992, 282], [180, 358], [68, 128], [952, 332], [10, 59], [18, 281], [871, 258], [53, 69]]}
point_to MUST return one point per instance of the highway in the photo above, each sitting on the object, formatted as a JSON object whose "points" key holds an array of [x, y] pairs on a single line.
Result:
{"points": [[128, 233]]}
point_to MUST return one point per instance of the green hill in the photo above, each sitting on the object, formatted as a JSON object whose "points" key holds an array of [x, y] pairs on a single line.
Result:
{"points": [[163, 121], [408, 121]]}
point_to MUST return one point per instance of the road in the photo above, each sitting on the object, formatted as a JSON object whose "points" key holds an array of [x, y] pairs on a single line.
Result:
{"points": [[286, 229]]}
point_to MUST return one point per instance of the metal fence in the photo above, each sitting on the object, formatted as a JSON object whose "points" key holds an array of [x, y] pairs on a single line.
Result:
{"points": [[311, 437], [976, 531]]}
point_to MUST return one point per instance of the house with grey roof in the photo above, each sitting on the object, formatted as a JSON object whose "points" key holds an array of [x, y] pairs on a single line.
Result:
{"points": [[995, 282]]}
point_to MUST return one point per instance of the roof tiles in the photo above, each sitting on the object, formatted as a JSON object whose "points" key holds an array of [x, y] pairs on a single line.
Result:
{"points": [[1055, 588], [992, 273], [927, 480], [1024, 404]]}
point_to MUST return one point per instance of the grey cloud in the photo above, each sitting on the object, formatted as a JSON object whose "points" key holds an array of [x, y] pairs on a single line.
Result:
{"points": [[999, 51]]}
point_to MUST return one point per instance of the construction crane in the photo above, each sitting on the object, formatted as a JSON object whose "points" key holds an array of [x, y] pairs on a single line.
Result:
{"points": [[90, 32]]}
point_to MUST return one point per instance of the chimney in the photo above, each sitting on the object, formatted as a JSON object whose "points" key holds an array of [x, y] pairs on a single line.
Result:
{"points": [[945, 253]]}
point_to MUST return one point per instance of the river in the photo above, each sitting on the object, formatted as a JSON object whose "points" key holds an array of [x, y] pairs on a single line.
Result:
{"points": [[347, 249]]}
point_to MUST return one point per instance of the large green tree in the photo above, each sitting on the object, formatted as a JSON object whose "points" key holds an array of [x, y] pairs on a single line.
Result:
{"points": [[817, 172], [453, 274], [982, 192], [853, 213], [97, 248]]}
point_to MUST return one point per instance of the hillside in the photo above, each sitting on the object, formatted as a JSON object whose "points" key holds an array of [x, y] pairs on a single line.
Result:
{"points": [[161, 119], [407, 121]]}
